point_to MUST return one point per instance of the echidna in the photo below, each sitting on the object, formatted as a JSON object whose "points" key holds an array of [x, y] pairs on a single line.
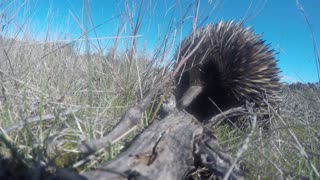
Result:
{"points": [[228, 65]]}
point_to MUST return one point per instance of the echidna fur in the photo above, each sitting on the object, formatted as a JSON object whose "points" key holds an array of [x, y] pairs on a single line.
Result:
{"points": [[230, 65]]}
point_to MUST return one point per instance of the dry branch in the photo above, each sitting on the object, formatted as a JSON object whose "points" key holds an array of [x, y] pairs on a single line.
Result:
{"points": [[128, 122], [233, 112], [169, 149]]}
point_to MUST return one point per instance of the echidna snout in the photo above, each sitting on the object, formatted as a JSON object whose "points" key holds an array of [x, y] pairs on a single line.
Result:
{"points": [[189, 96]]}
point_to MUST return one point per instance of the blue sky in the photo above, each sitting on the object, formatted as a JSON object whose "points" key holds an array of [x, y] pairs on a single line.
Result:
{"points": [[280, 22]]}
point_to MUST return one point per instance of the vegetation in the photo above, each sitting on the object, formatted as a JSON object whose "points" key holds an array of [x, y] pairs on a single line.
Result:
{"points": [[290, 147], [55, 95]]}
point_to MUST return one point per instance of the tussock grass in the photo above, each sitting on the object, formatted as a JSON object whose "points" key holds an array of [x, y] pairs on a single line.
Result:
{"points": [[289, 147]]}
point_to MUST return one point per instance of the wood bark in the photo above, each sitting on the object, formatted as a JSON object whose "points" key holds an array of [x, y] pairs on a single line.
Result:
{"points": [[170, 148]]}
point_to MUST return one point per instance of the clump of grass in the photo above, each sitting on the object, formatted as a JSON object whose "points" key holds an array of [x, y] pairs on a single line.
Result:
{"points": [[289, 147]]}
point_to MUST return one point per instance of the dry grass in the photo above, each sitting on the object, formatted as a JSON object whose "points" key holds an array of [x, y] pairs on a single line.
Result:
{"points": [[290, 147], [44, 80]]}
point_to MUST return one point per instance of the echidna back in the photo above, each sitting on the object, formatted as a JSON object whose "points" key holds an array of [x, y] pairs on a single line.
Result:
{"points": [[230, 64]]}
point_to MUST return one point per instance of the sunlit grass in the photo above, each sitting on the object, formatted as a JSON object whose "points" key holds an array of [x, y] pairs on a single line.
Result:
{"points": [[41, 81]]}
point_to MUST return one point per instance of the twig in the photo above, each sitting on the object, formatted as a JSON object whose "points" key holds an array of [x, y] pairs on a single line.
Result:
{"points": [[217, 119]]}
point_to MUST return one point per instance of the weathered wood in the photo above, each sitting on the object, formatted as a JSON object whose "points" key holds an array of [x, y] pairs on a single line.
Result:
{"points": [[166, 150], [163, 151], [128, 122]]}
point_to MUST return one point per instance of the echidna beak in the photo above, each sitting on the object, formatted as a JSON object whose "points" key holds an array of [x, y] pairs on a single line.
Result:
{"points": [[189, 96]]}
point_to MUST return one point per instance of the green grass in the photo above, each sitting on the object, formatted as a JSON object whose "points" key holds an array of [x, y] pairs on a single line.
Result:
{"points": [[279, 150], [46, 79]]}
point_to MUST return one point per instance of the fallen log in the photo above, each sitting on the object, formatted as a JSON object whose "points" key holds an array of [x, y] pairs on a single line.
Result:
{"points": [[171, 148]]}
